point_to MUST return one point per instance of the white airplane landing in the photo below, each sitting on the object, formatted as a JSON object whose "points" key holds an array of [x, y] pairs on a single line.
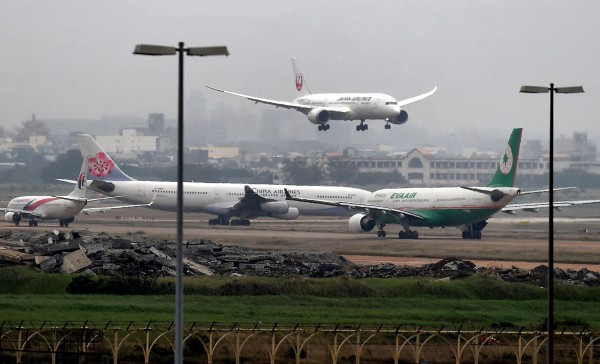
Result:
{"points": [[324, 107]]}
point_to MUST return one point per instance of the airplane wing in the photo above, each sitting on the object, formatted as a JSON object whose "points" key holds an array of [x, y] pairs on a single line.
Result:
{"points": [[536, 206], [373, 210], [86, 200], [71, 181], [24, 213], [90, 210], [251, 201], [545, 191], [416, 98], [284, 104]]}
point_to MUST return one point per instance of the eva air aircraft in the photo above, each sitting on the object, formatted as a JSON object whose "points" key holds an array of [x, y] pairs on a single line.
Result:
{"points": [[465, 207]]}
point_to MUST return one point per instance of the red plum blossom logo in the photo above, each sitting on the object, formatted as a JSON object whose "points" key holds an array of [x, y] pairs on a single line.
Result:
{"points": [[101, 165]]}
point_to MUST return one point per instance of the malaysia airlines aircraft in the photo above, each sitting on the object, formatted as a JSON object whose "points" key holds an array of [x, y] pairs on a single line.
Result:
{"points": [[61, 208], [226, 200], [321, 108], [465, 207]]}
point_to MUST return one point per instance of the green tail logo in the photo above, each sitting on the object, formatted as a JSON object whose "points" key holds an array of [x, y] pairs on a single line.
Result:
{"points": [[506, 173]]}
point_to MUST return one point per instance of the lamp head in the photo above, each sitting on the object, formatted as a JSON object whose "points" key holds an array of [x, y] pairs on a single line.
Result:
{"points": [[154, 50]]}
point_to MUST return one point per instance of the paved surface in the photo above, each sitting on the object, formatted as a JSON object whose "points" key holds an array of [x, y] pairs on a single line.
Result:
{"points": [[507, 242]]}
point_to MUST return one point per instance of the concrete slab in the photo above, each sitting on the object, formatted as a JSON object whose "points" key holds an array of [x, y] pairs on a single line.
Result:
{"points": [[197, 268], [74, 262]]}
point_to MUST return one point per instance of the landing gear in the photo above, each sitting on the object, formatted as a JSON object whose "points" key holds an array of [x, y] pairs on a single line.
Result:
{"points": [[381, 233], [473, 231], [221, 220], [323, 127], [388, 126], [408, 234], [33, 222], [362, 126], [240, 222], [471, 234], [66, 222]]}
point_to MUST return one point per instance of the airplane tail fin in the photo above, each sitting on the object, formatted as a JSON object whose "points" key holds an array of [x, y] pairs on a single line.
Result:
{"points": [[100, 165], [80, 187], [506, 173], [301, 84]]}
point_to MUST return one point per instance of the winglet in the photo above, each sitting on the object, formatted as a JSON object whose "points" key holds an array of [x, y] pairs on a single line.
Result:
{"points": [[287, 194]]}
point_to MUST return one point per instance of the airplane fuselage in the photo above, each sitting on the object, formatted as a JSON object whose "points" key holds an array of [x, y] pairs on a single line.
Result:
{"points": [[45, 207], [219, 198], [361, 106], [444, 206]]}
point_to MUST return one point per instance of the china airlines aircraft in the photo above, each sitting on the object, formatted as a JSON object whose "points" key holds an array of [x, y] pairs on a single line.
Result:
{"points": [[465, 207], [61, 208], [321, 108], [225, 200]]}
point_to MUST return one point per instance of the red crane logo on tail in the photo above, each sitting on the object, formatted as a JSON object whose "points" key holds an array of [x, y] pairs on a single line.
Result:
{"points": [[299, 81]]}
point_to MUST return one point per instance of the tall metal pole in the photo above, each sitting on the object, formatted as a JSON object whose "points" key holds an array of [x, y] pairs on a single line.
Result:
{"points": [[551, 233], [179, 248]]}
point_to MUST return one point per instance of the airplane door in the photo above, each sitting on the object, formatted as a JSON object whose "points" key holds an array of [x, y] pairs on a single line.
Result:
{"points": [[141, 191]]}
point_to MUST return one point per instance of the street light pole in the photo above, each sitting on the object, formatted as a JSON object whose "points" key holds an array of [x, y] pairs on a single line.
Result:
{"points": [[156, 50], [550, 317], [179, 245]]}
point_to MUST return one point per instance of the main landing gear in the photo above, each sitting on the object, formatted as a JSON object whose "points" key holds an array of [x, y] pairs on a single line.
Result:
{"points": [[362, 126], [221, 220], [323, 127], [240, 222], [33, 222], [473, 231], [224, 221], [407, 233]]}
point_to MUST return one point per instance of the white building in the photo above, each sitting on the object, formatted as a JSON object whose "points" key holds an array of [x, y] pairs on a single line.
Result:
{"points": [[129, 143]]}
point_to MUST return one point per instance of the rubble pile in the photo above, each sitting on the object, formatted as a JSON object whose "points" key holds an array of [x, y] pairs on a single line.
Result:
{"points": [[77, 252], [101, 253]]}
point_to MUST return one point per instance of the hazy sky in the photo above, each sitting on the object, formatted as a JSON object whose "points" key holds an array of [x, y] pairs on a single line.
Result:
{"points": [[73, 59]]}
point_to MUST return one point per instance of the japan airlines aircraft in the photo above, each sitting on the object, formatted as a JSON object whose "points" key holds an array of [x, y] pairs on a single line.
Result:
{"points": [[321, 108], [226, 200], [61, 208], [465, 207]]}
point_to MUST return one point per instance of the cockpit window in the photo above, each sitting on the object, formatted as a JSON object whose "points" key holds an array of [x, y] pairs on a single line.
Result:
{"points": [[391, 103]]}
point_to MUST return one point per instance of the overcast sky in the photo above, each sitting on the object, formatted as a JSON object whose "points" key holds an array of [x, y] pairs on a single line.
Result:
{"points": [[73, 59]]}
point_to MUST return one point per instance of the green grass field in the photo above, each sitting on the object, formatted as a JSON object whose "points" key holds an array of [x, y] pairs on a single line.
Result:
{"points": [[476, 302]]}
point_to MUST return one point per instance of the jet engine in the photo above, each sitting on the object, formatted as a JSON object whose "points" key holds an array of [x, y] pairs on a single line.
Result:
{"points": [[400, 119], [361, 223], [11, 217], [292, 214], [275, 207], [319, 116]]}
